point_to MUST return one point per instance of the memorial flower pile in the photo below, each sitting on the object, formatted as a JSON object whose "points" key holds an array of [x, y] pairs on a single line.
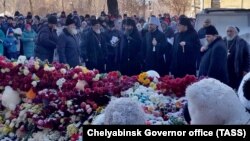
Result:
{"points": [[42, 101]]}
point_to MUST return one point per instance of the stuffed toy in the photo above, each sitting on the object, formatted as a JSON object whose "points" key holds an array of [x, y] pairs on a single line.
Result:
{"points": [[10, 98], [121, 111], [153, 74], [212, 102], [244, 91]]}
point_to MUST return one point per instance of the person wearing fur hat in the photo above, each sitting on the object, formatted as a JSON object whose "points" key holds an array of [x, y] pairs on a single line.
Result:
{"points": [[154, 46], [238, 56], [93, 47], [129, 59], [68, 45], [186, 48], [46, 40], [214, 61], [28, 40], [10, 44]]}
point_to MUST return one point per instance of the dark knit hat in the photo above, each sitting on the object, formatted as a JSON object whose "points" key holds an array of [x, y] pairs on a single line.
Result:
{"points": [[211, 30], [130, 22], [184, 21], [111, 23], [52, 20], [95, 22], [29, 17], [69, 20]]}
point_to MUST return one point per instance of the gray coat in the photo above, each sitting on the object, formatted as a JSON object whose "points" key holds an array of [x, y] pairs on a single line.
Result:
{"points": [[68, 48]]}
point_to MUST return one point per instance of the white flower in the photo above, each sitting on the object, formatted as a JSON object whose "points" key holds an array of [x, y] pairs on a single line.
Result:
{"points": [[75, 76], [2, 70], [26, 71], [60, 82], [7, 70], [97, 77], [36, 66], [35, 77], [12, 124], [47, 68], [69, 103], [52, 68], [63, 71], [87, 107], [21, 59]]}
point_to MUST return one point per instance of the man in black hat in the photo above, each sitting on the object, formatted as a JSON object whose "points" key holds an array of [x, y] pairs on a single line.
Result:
{"points": [[46, 40], [186, 48], [214, 61], [77, 19], [113, 41], [130, 58], [93, 47], [68, 45]]}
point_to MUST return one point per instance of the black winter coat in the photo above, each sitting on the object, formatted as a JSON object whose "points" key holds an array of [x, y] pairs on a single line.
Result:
{"points": [[214, 61], [184, 61], [46, 43], [154, 59], [130, 54], [94, 51], [68, 48]]}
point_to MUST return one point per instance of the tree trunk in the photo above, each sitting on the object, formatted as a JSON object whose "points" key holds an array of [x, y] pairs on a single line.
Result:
{"points": [[144, 8], [4, 6], [63, 8], [31, 6], [113, 7]]}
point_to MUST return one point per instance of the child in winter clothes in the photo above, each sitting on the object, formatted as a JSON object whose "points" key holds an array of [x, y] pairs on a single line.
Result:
{"points": [[9, 44]]}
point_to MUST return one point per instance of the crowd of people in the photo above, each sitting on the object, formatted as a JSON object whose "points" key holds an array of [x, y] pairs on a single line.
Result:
{"points": [[168, 45]]}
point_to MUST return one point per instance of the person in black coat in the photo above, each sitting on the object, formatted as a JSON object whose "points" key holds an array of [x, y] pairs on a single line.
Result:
{"points": [[93, 48], [154, 46], [238, 57], [113, 41], [130, 49], [68, 46], [186, 48], [47, 40], [214, 61]]}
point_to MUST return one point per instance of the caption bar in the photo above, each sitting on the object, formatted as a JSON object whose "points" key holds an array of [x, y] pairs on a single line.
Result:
{"points": [[215, 132]]}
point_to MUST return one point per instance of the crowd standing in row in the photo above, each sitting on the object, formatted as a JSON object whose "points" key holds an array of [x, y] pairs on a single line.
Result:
{"points": [[128, 44]]}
